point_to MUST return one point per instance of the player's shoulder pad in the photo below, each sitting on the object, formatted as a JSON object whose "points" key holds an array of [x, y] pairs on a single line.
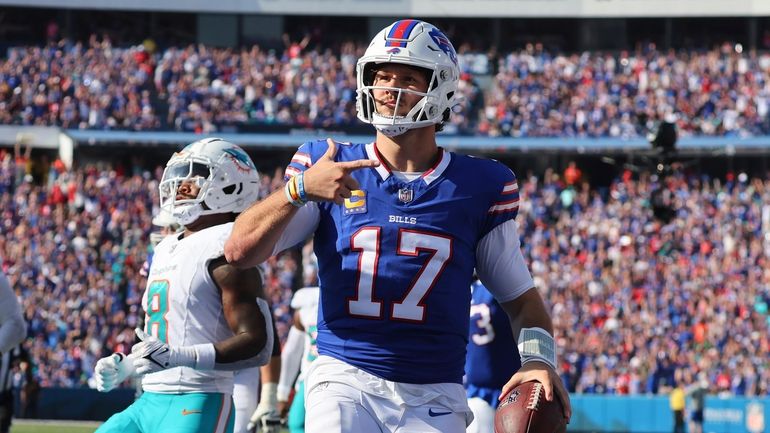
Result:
{"points": [[488, 174], [215, 239], [310, 152], [305, 297], [315, 149], [166, 241]]}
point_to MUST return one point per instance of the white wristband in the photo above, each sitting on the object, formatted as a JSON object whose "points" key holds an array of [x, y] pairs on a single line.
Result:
{"points": [[268, 394], [183, 356], [536, 344], [206, 356], [282, 392]]}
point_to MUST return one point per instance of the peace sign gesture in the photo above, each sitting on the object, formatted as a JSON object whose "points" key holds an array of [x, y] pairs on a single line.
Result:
{"points": [[328, 180]]}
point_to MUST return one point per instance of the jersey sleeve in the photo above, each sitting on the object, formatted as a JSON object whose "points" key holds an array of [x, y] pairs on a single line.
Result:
{"points": [[304, 157], [501, 265], [499, 261], [306, 219], [504, 205]]}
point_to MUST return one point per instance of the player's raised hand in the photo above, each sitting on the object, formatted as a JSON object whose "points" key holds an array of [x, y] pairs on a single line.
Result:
{"points": [[329, 180]]}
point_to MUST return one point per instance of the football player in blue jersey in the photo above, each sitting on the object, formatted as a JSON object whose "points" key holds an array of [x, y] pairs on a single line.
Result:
{"points": [[399, 225], [492, 358]]}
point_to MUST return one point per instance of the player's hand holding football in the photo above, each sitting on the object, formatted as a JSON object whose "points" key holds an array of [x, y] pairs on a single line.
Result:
{"points": [[328, 180], [152, 355], [112, 370], [541, 372]]}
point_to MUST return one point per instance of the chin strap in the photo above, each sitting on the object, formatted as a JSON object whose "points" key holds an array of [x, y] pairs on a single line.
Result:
{"points": [[187, 214]]}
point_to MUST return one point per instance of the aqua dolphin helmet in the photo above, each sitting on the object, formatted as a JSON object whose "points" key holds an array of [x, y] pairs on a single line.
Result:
{"points": [[226, 175], [418, 44]]}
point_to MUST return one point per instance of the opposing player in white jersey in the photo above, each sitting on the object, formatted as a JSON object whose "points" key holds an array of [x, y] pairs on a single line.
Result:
{"points": [[204, 318], [298, 352]]}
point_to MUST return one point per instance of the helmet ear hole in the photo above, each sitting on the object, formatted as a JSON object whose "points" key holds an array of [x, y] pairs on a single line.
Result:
{"points": [[229, 189], [369, 71]]}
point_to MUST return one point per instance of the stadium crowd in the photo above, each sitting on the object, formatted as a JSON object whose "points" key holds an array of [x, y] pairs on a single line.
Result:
{"points": [[637, 302], [640, 302], [532, 92]]}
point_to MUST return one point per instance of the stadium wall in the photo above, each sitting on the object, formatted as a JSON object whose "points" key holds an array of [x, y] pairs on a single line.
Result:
{"points": [[67, 140], [651, 414], [591, 413]]}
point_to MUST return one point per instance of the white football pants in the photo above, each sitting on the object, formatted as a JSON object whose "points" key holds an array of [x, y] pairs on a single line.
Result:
{"points": [[483, 416], [340, 398], [245, 396]]}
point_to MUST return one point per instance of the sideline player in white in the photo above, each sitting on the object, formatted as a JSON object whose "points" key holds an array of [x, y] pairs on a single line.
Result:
{"points": [[399, 225], [13, 329], [298, 352], [202, 321]]}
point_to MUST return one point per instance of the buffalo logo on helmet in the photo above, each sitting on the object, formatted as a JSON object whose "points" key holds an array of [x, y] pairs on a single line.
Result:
{"points": [[443, 42]]}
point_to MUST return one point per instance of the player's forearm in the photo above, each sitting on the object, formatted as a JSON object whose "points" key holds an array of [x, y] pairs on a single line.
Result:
{"points": [[240, 347], [528, 311], [251, 322], [12, 332], [532, 325], [271, 371], [257, 230]]}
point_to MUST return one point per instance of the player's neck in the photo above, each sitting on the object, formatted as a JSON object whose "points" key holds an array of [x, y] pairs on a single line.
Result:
{"points": [[205, 221], [412, 151]]}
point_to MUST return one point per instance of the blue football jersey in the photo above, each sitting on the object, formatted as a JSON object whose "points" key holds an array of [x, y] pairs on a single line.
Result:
{"points": [[396, 261], [492, 354]]}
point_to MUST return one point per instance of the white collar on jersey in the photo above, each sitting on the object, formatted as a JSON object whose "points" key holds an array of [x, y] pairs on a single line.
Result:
{"points": [[428, 176]]}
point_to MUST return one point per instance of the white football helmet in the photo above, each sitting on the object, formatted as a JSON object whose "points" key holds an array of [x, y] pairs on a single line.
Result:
{"points": [[226, 175], [415, 43]]}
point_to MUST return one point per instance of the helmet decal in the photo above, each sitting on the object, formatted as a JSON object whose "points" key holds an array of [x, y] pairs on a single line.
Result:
{"points": [[443, 42], [240, 158], [399, 33]]}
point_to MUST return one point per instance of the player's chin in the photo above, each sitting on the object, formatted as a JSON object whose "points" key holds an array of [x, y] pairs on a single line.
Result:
{"points": [[385, 111]]}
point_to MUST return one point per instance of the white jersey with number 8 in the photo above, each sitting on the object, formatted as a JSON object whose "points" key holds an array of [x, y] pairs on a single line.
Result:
{"points": [[183, 307]]}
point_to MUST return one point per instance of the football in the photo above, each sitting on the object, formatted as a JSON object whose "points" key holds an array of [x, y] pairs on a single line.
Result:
{"points": [[525, 410]]}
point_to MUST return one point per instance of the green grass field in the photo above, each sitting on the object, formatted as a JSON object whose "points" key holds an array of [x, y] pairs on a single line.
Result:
{"points": [[52, 427], [24, 426]]}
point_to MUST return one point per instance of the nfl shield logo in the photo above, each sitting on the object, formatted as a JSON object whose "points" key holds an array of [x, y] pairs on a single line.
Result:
{"points": [[405, 195]]}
